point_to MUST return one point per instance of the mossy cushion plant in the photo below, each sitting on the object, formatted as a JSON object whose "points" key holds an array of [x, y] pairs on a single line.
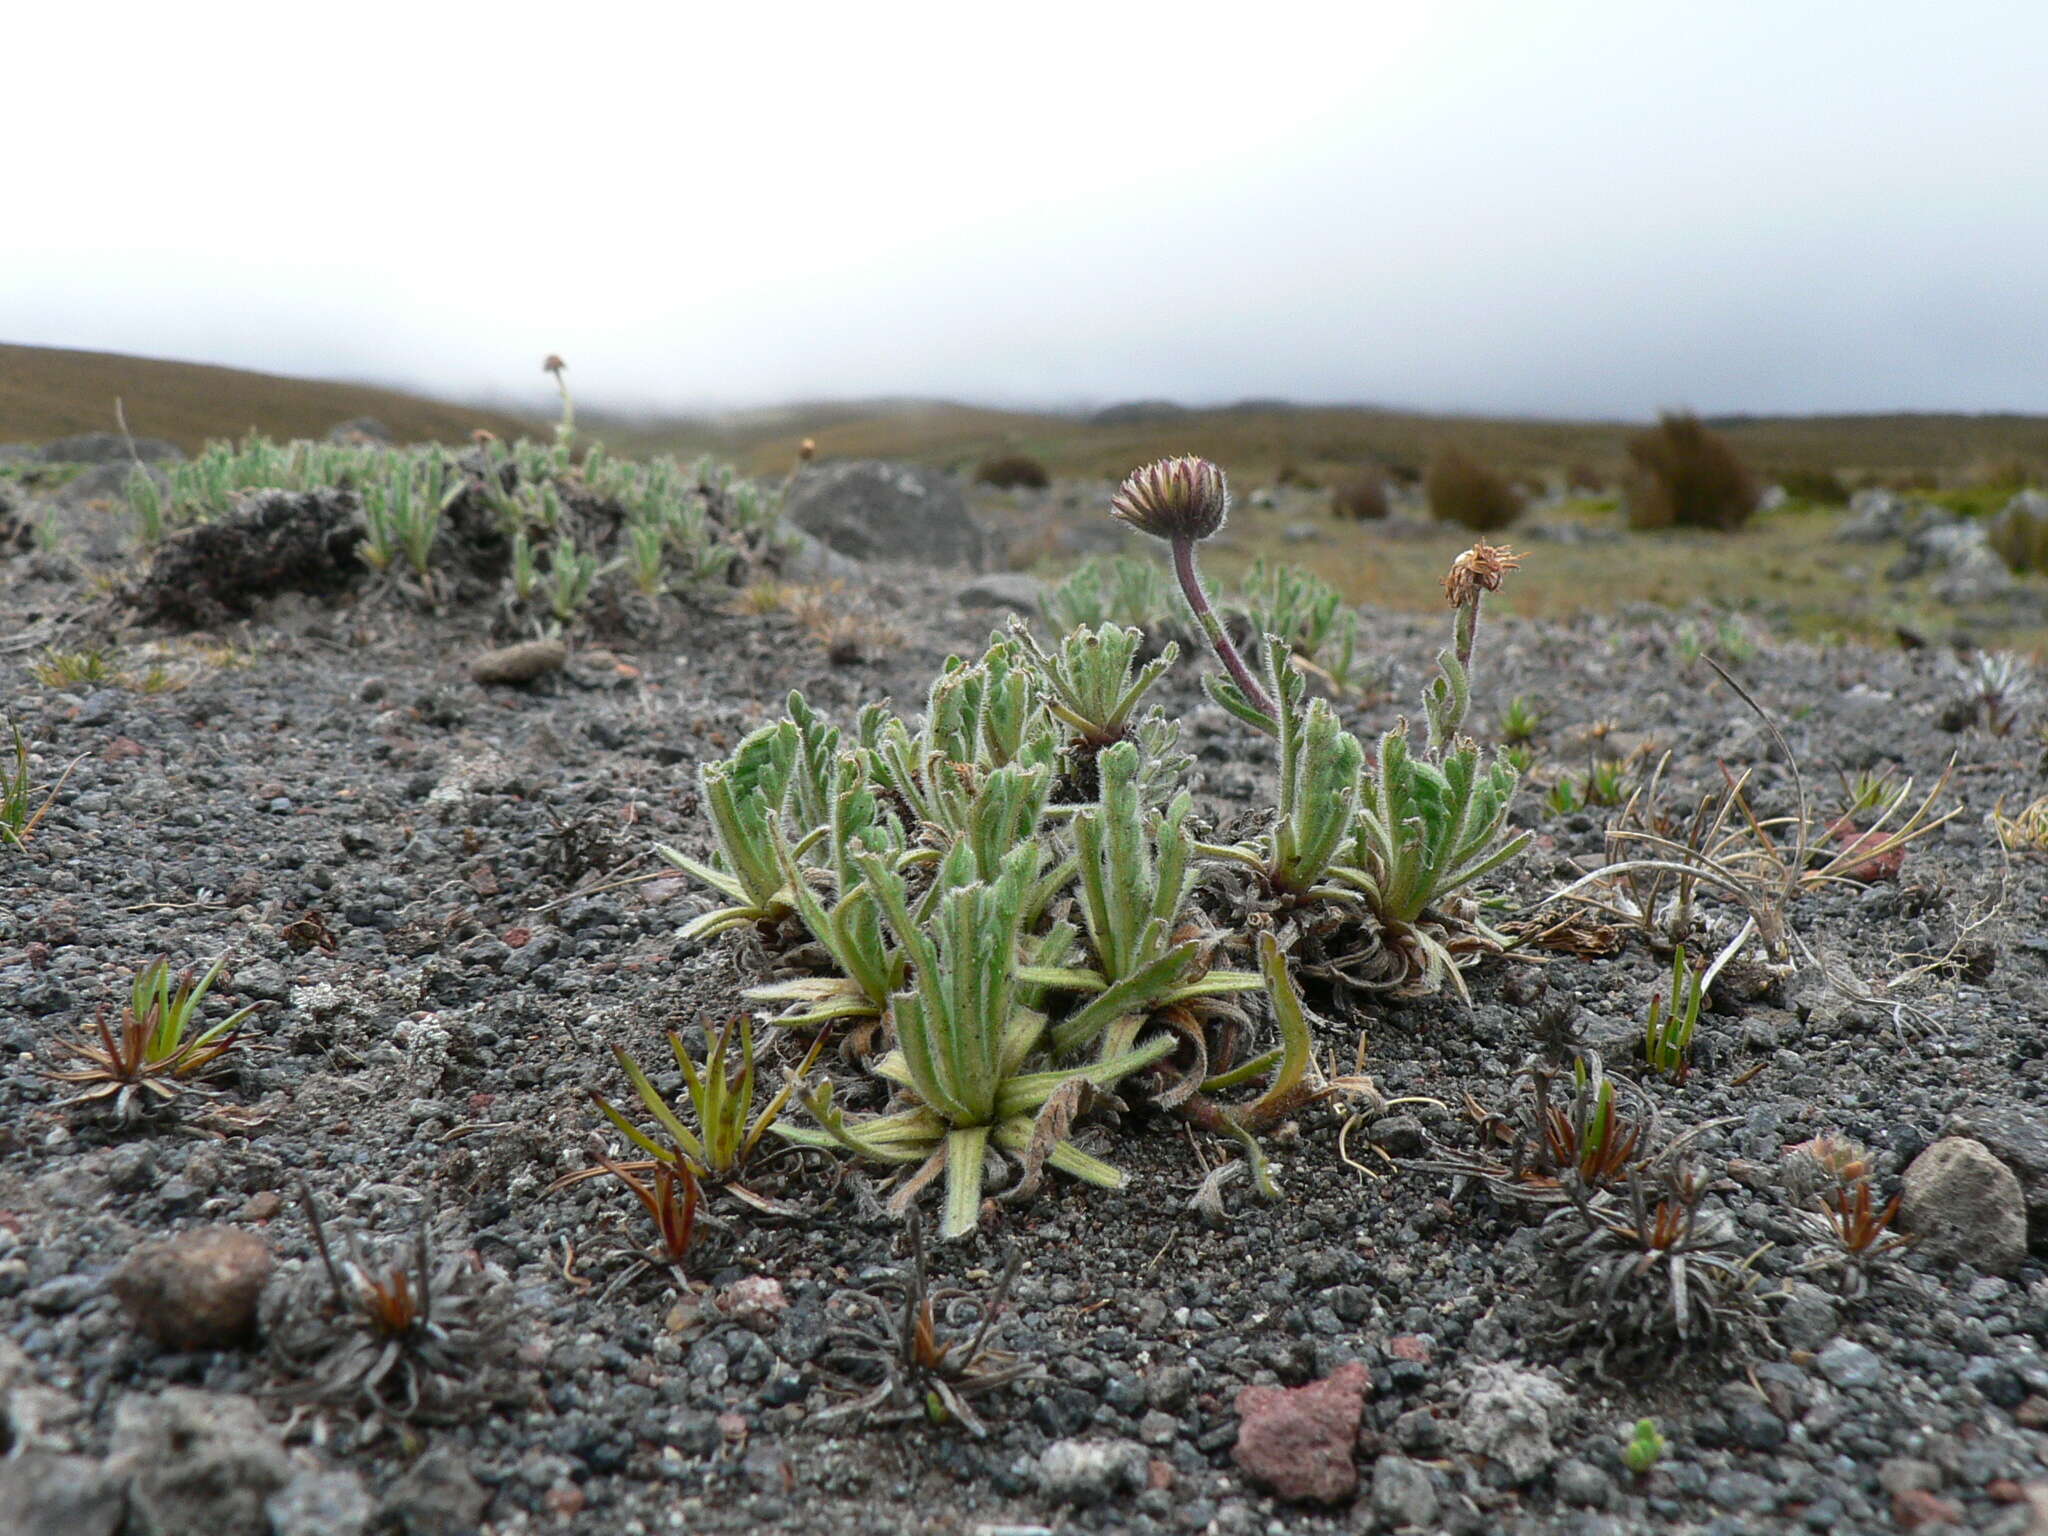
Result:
{"points": [[1008, 898]]}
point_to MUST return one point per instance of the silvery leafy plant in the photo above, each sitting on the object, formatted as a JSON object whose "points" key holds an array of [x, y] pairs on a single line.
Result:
{"points": [[1005, 908]]}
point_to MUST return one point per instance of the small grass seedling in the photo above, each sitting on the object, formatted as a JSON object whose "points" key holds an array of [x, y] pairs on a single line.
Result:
{"points": [[20, 810], [155, 1055], [1667, 1038], [1519, 721], [73, 669]]}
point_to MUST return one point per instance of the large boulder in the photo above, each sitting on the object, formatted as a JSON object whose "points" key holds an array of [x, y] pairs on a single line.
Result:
{"points": [[871, 509], [1965, 566], [1965, 1206], [2017, 1135]]}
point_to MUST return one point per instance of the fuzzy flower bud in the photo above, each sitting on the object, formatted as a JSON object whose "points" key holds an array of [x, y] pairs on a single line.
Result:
{"points": [[553, 364], [1184, 498], [807, 450]]}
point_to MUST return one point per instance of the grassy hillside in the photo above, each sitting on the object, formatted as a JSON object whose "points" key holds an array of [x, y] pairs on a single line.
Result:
{"points": [[46, 392], [1255, 440]]}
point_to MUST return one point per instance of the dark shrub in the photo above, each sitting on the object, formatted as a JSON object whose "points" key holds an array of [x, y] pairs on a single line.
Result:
{"points": [[1296, 476], [1584, 480], [1462, 490], [1817, 487], [1360, 497], [1012, 471], [1688, 475]]}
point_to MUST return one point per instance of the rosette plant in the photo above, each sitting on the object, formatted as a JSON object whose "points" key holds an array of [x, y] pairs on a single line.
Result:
{"points": [[966, 1032], [1433, 822]]}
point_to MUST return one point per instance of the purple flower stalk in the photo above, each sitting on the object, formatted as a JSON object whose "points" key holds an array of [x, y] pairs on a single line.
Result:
{"points": [[1184, 501]]}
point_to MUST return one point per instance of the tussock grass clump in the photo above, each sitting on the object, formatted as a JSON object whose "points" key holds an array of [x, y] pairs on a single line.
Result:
{"points": [[1815, 487], [2019, 534], [1012, 471], [1464, 491], [1360, 497], [1687, 475]]}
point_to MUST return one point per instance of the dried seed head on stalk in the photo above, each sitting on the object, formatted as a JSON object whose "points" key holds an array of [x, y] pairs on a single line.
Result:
{"points": [[1481, 568], [1183, 498]]}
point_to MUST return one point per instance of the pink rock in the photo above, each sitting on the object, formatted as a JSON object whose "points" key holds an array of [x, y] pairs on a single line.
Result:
{"points": [[755, 1301], [1298, 1441], [1880, 866], [196, 1290]]}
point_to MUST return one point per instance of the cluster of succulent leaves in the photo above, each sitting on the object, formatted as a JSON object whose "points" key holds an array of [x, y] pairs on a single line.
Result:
{"points": [[1320, 628], [563, 523], [1012, 895]]}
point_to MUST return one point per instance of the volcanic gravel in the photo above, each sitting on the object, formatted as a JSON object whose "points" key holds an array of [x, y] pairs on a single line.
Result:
{"points": [[329, 774]]}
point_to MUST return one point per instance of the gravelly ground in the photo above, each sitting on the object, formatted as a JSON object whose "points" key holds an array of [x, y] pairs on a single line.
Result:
{"points": [[340, 762]]}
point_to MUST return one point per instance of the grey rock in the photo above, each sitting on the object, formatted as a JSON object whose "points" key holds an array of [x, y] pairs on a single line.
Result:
{"points": [[1965, 1205], [808, 558], [1509, 1415], [1582, 1483], [437, 1496], [66, 1293], [1091, 1471], [35, 1418], [1959, 554], [1741, 1491], [1905, 1474], [1756, 1427], [1874, 516], [522, 663], [2017, 1135], [198, 1463], [1849, 1365], [873, 510], [358, 427], [1003, 589], [1809, 1319], [1402, 1494], [333, 1503], [44, 1495]]}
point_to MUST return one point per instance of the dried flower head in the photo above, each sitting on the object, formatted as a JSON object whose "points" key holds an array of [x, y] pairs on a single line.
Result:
{"points": [[1481, 568], [807, 450], [1183, 498], [483, 437], [1836, 1157], [553, 364]]}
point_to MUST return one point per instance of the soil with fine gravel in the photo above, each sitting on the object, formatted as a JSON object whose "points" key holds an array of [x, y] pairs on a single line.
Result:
{"points": [[430, 891]]}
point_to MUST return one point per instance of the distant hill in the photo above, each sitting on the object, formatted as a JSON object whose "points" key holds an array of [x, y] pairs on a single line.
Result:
{"points": [[47, 392], [50, 392]]}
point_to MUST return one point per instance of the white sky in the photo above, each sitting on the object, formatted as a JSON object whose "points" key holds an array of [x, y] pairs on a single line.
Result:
{"points": [[1555, 206]]}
